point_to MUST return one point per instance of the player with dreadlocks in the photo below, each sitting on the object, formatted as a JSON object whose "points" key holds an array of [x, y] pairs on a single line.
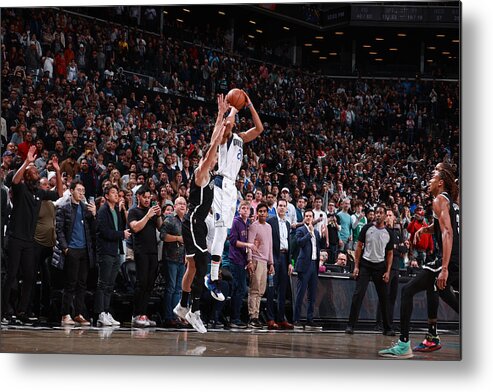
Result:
{"points": [[440, 276]]}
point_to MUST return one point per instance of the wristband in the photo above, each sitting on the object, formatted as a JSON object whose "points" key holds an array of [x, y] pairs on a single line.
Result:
{"points": [[249, 105]]}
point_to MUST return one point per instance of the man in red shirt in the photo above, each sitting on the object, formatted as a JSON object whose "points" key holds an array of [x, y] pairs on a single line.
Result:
{"points": [[23, 148], [424, 246]]}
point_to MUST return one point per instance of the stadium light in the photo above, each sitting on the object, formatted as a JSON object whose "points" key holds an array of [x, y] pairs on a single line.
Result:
{"points": [[252, 22], [221, 13], [286, 28]]}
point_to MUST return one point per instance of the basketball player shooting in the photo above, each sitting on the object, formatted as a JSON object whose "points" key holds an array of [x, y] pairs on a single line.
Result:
{"points": [[225, 193]]}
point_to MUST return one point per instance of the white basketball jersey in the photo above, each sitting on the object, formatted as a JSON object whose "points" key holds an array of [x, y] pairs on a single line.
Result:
{"points": [[230, 157]]}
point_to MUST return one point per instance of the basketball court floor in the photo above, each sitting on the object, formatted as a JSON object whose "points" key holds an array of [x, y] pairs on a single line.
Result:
{"points": [[324, 344]]}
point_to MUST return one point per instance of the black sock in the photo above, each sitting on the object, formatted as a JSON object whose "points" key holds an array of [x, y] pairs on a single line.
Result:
{"points": [[195, 305], [184, 299], [404, 339], [432, 329]]}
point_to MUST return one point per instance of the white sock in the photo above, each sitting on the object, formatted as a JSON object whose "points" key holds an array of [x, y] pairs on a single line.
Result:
{"points": [[215, 270]]}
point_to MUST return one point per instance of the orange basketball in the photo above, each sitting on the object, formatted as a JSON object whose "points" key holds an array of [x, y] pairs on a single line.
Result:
{"points": [[236, 98]]}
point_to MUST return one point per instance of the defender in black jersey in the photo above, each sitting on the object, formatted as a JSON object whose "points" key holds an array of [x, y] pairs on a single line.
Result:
{"points": [[439, 277], [194, 228]]}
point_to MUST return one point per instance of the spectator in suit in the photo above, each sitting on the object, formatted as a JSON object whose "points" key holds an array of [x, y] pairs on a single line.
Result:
{"points": [[309, 243], [282, 268], [76, 230]]}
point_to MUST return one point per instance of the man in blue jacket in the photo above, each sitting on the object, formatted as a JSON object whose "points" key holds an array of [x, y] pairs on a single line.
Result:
{"points": [[110, 233], [75, 230], [309, 244]]}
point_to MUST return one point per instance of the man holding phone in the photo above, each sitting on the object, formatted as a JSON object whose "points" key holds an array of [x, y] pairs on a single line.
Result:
{"points": [[143, 221], [309, 243]]}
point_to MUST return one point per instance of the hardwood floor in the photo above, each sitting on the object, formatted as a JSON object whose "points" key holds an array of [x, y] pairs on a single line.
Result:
{"points": [[215, 343]]}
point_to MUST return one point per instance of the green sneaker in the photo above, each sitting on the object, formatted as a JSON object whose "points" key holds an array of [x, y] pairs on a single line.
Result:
{"points": [[400, 350]]}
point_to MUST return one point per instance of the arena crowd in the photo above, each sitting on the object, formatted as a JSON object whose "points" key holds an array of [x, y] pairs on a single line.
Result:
{"points": [[112, 104]]}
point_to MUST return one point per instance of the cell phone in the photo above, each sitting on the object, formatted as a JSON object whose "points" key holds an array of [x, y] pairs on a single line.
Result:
{"points": [[91, 199], [153, 203]]}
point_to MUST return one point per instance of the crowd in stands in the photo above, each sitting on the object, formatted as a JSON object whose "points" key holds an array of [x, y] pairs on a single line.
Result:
{"points": [[69, 88]]}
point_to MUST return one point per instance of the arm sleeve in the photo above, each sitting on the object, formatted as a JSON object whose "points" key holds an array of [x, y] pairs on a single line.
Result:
{"points": [[131, 217], [252, 233], [234, 235], [302, 238], [48, 195], [104, 230], [390, 244], [271, 254], [166, 228], [362, 234], [60, 226]]}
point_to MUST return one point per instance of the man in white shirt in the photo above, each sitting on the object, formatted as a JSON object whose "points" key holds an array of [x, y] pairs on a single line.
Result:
{"points": [[306, 266], [291, 210], [320, 218], [282, 268]]}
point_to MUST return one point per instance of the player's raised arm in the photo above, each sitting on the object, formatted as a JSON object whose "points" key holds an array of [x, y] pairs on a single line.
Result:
{"points": [[258, 128], [209, 159]]}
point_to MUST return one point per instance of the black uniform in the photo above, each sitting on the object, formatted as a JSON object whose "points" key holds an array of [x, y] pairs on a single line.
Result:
{"points": [[436, 265], [194, 232], [194, 228], [426, 279]]}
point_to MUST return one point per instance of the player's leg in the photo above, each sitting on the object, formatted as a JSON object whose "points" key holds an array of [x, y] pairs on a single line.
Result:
{"points": [[431, 341], [220, 229], [193, 316], [182, 308], [402, 349], [358, 296]]}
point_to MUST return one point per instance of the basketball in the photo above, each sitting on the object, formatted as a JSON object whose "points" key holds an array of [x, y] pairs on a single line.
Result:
{"points": [[236, 98]]}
